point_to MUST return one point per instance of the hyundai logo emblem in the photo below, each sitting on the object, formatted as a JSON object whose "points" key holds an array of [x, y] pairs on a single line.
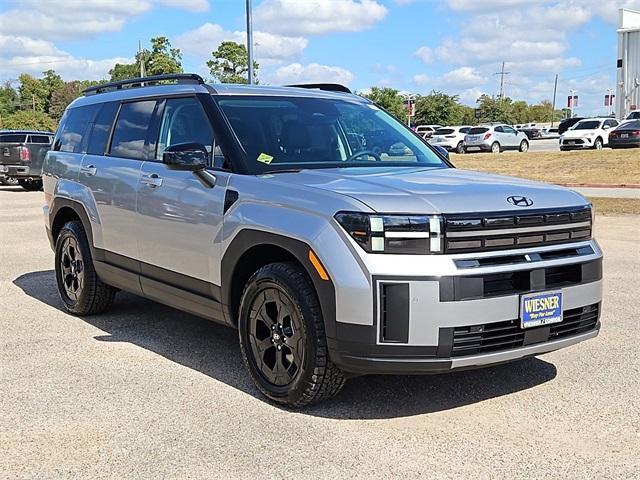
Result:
{"points": [[519, 201]]}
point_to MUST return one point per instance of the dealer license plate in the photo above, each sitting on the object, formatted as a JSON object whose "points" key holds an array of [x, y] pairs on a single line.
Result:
{"points": [[540, 309], [624, 135]]}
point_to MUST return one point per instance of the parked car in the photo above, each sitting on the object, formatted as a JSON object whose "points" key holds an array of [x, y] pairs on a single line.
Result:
{"points": [[450, 138], [426, 131], [532, 132], [549, 132], [329, 260], [625, 135], [495, 139], [21, 155], [588, 133], [567, 123], [634, 115]]}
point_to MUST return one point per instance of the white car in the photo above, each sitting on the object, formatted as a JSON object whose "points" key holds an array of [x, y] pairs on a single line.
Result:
{"points": [[495, 138], [588, 133], [451, 138], [425, 131], [634, 115]]}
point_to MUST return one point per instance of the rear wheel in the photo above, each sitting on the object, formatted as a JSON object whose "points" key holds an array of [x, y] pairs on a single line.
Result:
{"points": [[80, 289], [30, 185], [460, 147], [495, 147], [282, 337], [524, 146], [597, 145]]}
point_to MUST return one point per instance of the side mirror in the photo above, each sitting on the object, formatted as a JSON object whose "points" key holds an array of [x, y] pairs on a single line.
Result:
{"points": [[442, 151], [186, 156], [606, 127]]}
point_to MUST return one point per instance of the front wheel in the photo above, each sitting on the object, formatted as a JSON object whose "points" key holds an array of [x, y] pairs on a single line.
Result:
{"points": [[598, 144], [282, 337], [524, 146], [495, 147], [30, 185]]}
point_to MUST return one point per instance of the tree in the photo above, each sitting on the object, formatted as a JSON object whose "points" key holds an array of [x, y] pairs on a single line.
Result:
{"points": [[438, 108], [28, 120], [494, 109], [63, 97], [388, 99], [230, 63], [33, 94], [162, 58], [9, 99]]}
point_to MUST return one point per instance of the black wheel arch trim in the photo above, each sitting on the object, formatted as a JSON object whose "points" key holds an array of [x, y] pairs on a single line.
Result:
{"points": [[249, 238], [58, 204]]}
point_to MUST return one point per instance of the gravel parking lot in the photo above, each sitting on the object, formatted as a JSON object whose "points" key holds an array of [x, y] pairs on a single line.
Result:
{"points": [[150, 392]]}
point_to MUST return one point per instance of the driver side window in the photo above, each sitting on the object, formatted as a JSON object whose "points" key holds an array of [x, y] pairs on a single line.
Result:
{"points": [[184, 121]]}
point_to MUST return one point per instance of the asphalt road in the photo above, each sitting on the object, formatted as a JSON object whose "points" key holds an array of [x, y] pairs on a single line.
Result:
{"points": [[544, 145], [148, 392]]}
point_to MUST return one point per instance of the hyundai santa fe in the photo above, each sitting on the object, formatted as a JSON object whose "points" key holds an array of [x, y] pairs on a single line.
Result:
{"points": [[267, 209]]}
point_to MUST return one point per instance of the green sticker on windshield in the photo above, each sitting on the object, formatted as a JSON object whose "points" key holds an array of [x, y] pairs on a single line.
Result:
{"points": [[264, 158]]}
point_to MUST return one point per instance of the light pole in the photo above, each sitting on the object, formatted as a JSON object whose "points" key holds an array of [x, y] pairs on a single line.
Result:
{"points": [[410, 98], [572, 101], [250, 42]]}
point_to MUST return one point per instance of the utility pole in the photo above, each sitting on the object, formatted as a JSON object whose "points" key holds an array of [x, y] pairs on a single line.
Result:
{"points": [[502, 73], [555, 91], [142, 72], [250, 42]]}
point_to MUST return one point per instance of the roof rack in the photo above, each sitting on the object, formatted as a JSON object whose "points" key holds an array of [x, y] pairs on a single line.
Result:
{"points": [[188, 78], [329, 87]]}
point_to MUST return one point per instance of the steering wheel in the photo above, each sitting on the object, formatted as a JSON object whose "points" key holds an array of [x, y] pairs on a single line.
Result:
{"points": [[364, 152]]}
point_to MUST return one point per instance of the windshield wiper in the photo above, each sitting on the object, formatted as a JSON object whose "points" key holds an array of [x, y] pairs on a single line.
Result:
{"points": [[283, 170]]}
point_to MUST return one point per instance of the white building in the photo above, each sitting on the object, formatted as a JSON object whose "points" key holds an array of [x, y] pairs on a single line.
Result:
{"points": [[628, 65]]}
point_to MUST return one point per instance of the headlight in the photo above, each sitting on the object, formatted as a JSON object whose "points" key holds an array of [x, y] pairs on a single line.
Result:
{"points": [[400, 234]]}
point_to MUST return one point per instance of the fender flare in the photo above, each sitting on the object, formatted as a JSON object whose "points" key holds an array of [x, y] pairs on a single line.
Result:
{"points": [[58, 204], [249, 238]]}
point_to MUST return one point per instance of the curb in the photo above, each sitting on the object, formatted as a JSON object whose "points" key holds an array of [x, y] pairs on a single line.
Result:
{"points": [[601, 185]]}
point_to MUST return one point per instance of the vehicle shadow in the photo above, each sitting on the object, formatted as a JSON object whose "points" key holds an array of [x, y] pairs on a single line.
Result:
{"points": [[213, 350]]}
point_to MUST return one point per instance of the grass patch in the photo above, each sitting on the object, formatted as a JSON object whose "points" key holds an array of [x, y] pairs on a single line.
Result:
{"points": [[616, 206], [620, 166]]}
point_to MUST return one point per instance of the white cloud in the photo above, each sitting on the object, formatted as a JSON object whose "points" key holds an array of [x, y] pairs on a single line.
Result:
{"points": [[420, 79], [73, 19], [312, 73], [313, 17], [463, 77], [268, 46], [425, 54], [475, 5]]}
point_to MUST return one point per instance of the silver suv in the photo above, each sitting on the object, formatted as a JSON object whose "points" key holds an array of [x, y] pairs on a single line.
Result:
{"points": [[495, 139], [269, 210]]}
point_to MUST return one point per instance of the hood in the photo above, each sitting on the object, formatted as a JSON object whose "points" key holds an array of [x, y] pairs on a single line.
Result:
{"points": [[578, 133], [432, 190]]}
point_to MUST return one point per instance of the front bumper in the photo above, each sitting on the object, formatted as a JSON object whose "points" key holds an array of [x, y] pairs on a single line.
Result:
{"points": [[576, 143]]}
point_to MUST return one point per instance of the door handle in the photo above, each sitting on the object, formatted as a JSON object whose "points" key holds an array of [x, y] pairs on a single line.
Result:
{"points": [[89, 170], [152, 180]]}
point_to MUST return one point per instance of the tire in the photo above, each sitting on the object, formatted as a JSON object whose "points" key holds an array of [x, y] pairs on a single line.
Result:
{"points": [[282, 338], [597, 145], [80, 289], [524, 146], [460, 148], [30, 185], [495, 147]]}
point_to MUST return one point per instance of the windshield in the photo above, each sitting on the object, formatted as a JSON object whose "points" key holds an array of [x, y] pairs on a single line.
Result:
{"points": [[633, 115], [294, 133], [632, 125], [587, 125]]}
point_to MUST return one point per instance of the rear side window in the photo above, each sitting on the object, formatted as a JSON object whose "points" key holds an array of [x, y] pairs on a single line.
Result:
{"points": [[443, 131], [40, 139], [73, 128], [478, 130], [101, 128], [464, 130], [13, 138], [130, 131]]}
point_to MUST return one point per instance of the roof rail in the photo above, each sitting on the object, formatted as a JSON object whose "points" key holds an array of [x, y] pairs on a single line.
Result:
{"points": [[329, 87], [189, 78]]}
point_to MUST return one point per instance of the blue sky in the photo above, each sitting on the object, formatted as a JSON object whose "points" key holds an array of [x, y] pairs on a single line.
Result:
{"points": [[412, 45]]}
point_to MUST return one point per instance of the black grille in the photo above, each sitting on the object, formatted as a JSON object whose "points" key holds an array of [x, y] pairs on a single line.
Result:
{"points": [[501, 231], [494, 337]]}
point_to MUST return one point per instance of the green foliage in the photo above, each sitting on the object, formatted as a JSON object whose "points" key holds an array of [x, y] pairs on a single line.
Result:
{"points": [[438, 108], [9, 99], [162, 58], [230, 63], [388, 99], [63, 96], [29, 120], [32, 93]]}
